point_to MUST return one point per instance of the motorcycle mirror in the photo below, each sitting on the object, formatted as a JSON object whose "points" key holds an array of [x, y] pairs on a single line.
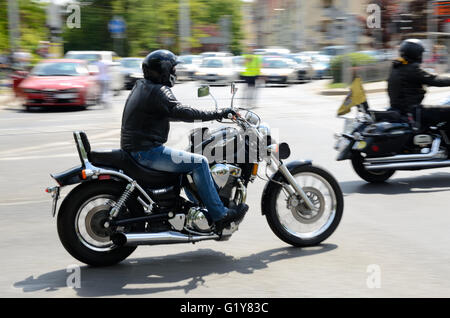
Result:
{"points": [[203, 91]]}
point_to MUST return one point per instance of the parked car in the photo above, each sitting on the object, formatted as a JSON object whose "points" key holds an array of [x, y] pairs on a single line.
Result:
{"points": [[335, 50], [131, 70], [187, 67], [238, 66], [278, 70], [215, 54], [110, 58], [279, 51], [59, 82], [216, 71], [303, 67]]}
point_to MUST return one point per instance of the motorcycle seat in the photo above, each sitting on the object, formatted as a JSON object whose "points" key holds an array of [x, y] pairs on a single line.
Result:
{"points": [[387, 116], [120, 159]]}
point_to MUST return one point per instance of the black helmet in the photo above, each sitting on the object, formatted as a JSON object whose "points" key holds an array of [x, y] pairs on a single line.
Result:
{"points": [[412, 50], [159, 67]]}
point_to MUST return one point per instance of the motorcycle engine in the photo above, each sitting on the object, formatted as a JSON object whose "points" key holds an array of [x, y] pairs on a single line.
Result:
{"points": [[196, 220], [423, 140]]}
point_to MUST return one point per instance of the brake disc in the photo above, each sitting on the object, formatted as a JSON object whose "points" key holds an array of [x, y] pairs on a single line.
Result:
{"points": [[300, 210]]}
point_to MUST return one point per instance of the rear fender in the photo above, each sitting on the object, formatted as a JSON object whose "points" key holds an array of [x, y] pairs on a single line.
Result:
{"points": [[81, 187]]}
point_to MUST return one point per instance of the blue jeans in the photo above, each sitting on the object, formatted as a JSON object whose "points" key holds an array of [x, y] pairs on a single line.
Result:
{"points": [[166, 159]]}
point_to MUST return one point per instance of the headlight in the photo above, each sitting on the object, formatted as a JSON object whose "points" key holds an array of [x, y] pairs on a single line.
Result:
{"points": [[137, 75]]}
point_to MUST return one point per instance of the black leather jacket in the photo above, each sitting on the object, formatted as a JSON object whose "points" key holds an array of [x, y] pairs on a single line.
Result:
{"points": [[406, 85], [148, 110]]}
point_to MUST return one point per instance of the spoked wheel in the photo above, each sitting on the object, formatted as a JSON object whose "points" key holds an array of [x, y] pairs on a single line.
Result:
{"points": [[293, 221], [81, 224]]}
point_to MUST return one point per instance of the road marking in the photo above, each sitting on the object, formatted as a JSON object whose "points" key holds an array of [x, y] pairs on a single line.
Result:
{"points": [[113, 132], [72, 154], [25, 202]]}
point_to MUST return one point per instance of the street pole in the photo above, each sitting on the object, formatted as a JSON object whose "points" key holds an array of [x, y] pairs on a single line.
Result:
{"points": [[345, 60], [184, 26], [13, 24], [299, 20]]}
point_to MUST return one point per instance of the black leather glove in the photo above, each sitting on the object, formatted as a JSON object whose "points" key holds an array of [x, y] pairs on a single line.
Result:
{"points": [[224, 113]]}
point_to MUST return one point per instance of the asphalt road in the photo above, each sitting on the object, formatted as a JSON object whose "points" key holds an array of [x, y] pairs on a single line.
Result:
{"points": [[393, 240]]}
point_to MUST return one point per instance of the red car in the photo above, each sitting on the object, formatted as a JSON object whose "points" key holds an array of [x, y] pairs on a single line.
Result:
{"points": [[62, 82]]}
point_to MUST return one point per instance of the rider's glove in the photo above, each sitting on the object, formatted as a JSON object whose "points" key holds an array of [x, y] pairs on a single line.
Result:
{"points": [[227, 113]]}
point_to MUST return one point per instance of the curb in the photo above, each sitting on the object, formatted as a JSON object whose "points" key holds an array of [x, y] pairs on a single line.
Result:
{"points": [[345, 91]]}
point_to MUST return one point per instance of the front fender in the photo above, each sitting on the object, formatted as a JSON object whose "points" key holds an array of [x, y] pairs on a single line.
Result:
{"points": [[271, 185]]}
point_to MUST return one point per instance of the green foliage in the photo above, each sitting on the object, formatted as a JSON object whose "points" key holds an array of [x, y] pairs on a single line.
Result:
{"points": [[32, 25], [355, 59], [151, 24]]}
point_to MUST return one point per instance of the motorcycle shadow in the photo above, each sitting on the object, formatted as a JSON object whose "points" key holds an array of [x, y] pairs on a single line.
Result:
{"points": [[183, 271], [433, 182]]}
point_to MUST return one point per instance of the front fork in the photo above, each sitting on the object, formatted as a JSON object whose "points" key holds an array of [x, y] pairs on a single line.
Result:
{"points": [[281, 167]]}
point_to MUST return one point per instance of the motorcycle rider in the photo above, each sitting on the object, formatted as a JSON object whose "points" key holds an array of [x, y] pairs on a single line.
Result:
{"points": [[149, 108], [406, 86]]}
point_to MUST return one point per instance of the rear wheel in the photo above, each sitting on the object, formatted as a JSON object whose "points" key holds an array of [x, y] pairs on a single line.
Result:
{"points": [[81, 224], [369, 176]]}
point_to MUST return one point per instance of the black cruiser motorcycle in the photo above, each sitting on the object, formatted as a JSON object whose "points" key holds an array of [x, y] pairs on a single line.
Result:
{"points": [[118, 204], [378, 143]]}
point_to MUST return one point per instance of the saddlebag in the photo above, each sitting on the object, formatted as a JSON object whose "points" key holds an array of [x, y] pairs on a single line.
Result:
{"points": [[386, 139]]}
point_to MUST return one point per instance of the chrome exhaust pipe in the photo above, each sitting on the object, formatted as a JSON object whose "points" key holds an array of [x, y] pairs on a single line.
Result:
{"points": [[169, 237], [407, 165], [428, 156]]}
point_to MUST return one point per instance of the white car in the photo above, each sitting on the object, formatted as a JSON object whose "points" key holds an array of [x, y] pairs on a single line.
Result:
{"points": [[215, 54], [110, 58], [217, 71], [187, 66], [278, 70]]}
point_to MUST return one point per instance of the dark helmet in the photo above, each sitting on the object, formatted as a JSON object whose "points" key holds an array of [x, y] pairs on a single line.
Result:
{"points": [[412, 50], [159, 67]]}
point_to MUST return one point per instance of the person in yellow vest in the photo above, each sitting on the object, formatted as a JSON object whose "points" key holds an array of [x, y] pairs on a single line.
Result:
{"points": [[252, 70]]}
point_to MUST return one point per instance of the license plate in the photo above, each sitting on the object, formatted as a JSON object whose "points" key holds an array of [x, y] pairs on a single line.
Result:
{"points": [[66, 96], [341, 144], [349, 125]]}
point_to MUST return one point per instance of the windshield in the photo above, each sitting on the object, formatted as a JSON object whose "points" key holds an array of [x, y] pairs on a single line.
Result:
{"points": [[212, 63], [60, 69], [131, 63], [84, 56], [276, 64], [299, 60]]}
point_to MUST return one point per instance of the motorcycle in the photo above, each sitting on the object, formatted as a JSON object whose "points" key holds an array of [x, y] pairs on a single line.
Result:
{"points": [[378, 143], [119, 204]]}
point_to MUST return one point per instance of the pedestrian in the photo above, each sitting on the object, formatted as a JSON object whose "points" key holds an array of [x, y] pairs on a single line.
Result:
{"points": [[103, 79], [251, 73]]}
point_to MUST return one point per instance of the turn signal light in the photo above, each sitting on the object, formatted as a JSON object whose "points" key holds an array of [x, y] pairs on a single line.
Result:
{"points": [[255, 169], [83, 174]]}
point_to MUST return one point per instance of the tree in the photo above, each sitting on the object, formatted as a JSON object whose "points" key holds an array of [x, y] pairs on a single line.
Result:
{"points": [[32, 28], [151, 24]]}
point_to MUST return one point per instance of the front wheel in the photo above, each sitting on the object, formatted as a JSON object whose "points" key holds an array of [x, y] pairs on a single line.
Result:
{"points": [[289, 217]]}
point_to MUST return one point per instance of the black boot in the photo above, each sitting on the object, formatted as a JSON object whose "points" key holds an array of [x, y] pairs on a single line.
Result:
{"points": [[232, 215]]}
